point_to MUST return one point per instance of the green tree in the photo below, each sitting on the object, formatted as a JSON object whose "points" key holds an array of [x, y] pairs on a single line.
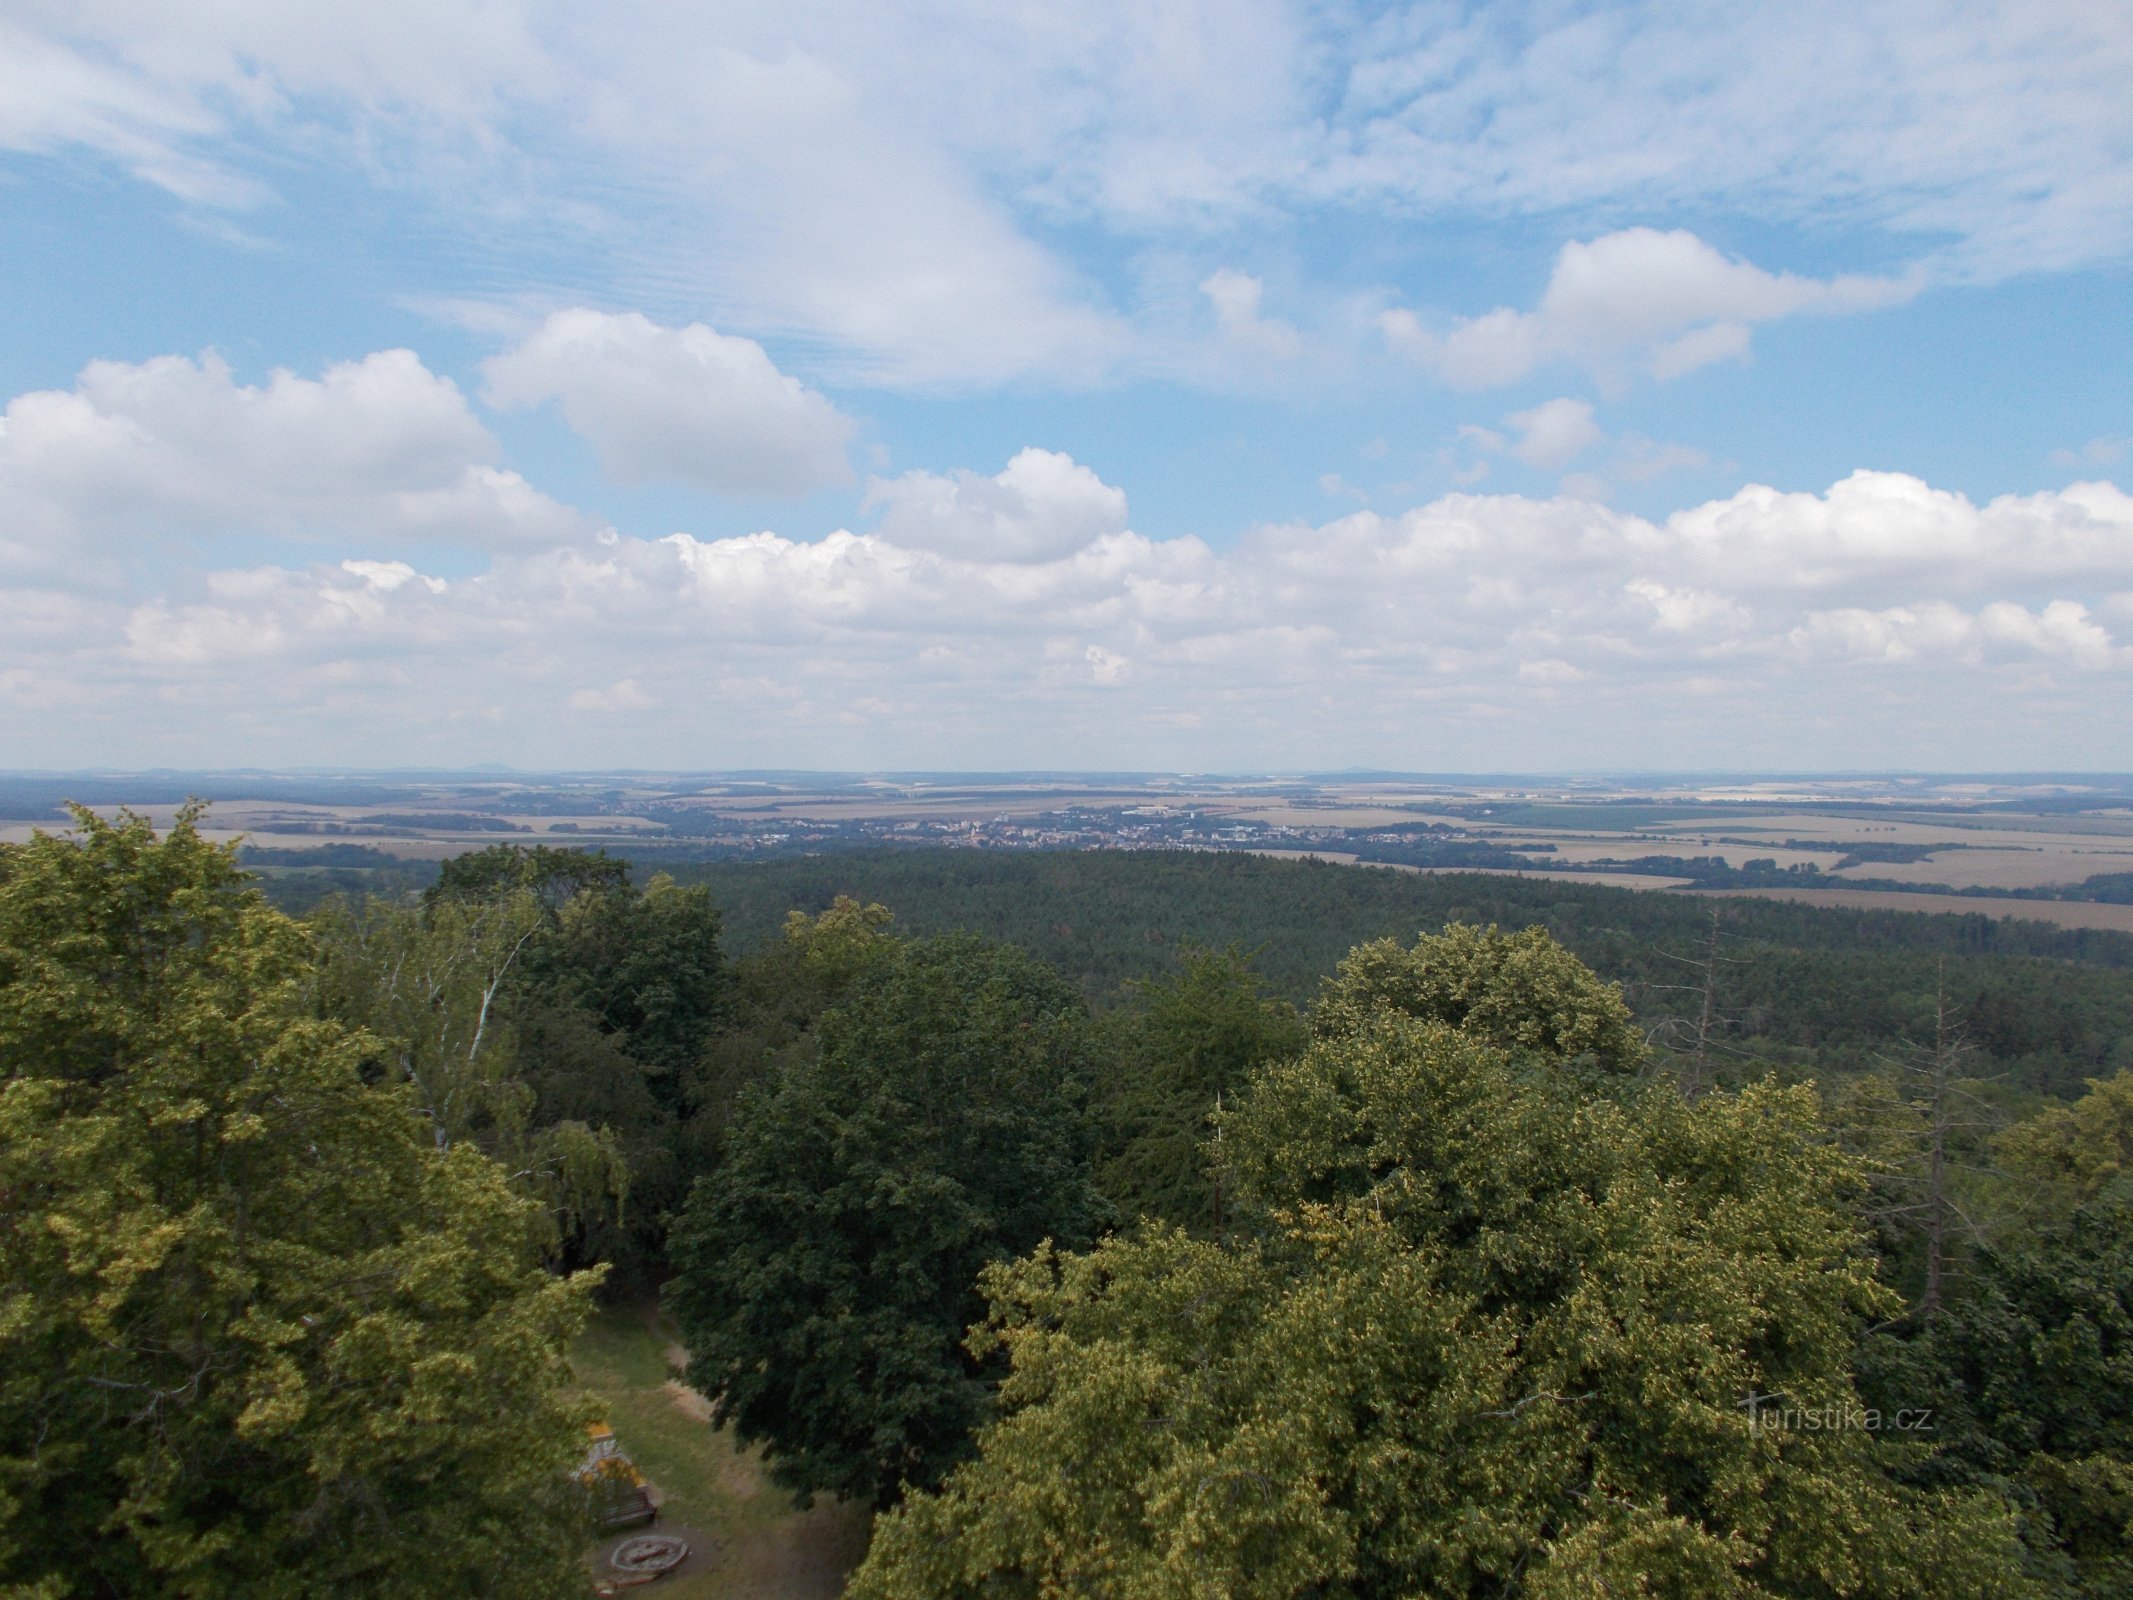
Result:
{"points": [[2033, 1368], [260, 1336], [552, 875], [646, 967], [2029, 1364], [1194, 1036], [1504, 1329], [433, 988], [825, 1272], [2074, 1151], [1521, 992], [1922, 1123], [612, 1010]]}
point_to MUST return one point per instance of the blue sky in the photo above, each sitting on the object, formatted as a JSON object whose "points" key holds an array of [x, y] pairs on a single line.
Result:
{"points": [[1252, 386]]}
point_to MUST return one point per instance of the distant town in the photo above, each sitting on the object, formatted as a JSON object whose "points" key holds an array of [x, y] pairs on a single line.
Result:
{"points": [[2055, 846]]}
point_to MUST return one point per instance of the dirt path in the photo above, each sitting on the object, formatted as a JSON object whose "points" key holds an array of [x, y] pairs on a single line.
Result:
{"points": [[754, 1544]]}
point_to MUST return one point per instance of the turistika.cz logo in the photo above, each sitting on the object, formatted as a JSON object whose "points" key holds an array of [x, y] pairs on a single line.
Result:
{"points": [[1767, 1412]]}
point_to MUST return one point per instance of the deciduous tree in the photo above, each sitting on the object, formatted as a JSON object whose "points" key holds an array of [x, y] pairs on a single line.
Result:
{"points": [[260, 1335], [1506, 1328], [826, 1271]]}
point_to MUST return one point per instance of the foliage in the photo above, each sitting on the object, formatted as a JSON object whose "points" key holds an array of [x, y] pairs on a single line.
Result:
{"points": [[2041, 1350], [2076, 1150], [1192, 1037], [556, 1016], [1497, 1334], [1815, 990], [260, 1335], [2030, 1365], [1521, 992], [779, 993], [826, 1271], [645, 967], [431, 988], [552, 875]]}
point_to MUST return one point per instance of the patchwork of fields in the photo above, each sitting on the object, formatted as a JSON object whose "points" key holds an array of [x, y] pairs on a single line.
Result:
{"points": [[2045, 848]]}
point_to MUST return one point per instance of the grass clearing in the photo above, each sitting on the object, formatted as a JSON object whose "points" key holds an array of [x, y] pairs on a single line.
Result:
{"points": [[761, 1547]]}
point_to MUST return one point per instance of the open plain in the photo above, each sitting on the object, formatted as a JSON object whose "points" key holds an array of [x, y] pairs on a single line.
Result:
{"points": [[2044, 847]]}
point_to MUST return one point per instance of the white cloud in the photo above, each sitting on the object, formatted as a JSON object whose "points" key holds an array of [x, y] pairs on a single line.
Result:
{"points": [[1667, 303], [788, 170], [621, 695], [1689, 611], [1550, 671], [1235, 298], [684, 403], [1999, 128], [1554, 433], [879, 179], [390, 575], [1640, 460], [379, 448], [1041, 507], [1106, 666], [1885, 530], [2100, 452], [1935, 631], [1476, 630]]}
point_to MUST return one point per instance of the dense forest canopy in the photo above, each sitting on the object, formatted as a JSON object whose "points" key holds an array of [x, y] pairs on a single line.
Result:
{"points": [[1802, 988], [1146, 1223]]}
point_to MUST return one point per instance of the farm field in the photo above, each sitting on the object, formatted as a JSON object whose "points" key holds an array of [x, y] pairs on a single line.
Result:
{"points": [[2059, 863], [748, 1543], [1575, 849], [2060, 913], [2005, 836]]}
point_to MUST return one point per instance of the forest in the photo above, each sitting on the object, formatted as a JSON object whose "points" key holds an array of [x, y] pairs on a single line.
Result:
{"points": [[1139, 1223]]}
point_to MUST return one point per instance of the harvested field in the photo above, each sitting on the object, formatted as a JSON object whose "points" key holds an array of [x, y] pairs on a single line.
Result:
{"points": [[1578, 848], [1286, 815], [1611, 880], [2060, 862], [1996, 829], [2062, 913]]}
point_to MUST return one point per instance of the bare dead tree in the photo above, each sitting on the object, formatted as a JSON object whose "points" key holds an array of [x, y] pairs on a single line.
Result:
{"points": [[1917, 1138], [1707, 1032]]}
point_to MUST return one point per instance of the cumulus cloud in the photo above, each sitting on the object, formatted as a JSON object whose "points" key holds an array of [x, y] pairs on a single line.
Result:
{"points": [[1665, 303], [380, 448], [1040, 507], [1935, 631], [684, 403], [1555, 433], [968, 629]]}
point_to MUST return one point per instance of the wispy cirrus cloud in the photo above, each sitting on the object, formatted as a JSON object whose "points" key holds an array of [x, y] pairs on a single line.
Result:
{"points": [[944, 198]]}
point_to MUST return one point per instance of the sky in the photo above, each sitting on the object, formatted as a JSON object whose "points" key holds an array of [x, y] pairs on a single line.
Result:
{"points": [[1165, 386]]}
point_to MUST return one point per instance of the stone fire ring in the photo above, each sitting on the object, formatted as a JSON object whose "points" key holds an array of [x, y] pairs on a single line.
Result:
{"points": [[649, 1553]]}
